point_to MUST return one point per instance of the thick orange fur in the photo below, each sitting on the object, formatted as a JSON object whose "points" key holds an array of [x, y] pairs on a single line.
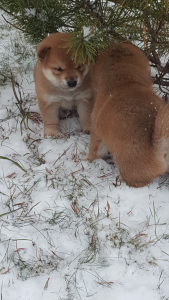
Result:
{"points": [[128, 117], [61, 82]]}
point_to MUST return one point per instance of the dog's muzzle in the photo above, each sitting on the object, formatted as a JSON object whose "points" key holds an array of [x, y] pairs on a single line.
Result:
{"points": [[72, 83]]}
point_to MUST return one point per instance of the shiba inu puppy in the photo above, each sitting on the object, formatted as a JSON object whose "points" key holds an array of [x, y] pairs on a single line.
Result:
{"points": [[61, 82], [128, 117]]}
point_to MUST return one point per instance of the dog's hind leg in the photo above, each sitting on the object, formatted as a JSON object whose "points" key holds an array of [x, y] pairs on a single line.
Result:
{"points": [[95, 147], [161, 136]]}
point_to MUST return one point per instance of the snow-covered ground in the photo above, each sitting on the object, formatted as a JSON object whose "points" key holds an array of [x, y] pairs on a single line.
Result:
{"points": [[67, 230]]}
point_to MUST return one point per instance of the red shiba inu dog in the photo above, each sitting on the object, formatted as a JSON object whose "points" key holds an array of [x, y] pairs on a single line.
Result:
{"points": [[61, 82], [128, 117]]}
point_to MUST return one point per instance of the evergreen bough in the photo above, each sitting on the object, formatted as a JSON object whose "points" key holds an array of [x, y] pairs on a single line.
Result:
{"points": [[95, 23]]}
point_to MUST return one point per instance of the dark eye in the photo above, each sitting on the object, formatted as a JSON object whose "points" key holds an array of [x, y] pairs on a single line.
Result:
{"points": [[58, 69], [79, 67]]}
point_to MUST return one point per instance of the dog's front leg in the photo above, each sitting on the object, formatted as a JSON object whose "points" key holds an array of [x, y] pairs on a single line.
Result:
{"points": [[84, 109], [50, 117]]}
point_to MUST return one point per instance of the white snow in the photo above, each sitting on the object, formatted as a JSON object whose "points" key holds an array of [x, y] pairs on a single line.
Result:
{"points": [[66, 230], [86, 32], [30, 12]]}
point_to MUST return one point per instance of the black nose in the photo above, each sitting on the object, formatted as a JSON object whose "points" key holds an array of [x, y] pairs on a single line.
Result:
{"points": [[72, 83]]}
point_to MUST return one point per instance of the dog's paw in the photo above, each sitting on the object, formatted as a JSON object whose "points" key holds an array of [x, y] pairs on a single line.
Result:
{"points": [[88, 158], [85, 128], [86, 131], [50, 132], [84, 157]]}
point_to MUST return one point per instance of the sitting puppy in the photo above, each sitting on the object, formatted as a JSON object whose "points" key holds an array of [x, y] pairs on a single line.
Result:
{"points": [[128, 117], [61, 82]]}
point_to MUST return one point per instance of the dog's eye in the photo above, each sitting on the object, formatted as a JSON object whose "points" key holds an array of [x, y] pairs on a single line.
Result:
{"points": [[79, 67], [58, 69]]}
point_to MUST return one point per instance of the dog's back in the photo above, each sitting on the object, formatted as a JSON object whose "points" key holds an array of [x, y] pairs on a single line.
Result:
{"points": [[125, 113]]}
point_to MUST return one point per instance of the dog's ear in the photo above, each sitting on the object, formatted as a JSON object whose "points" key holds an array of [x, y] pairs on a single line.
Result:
{"points": [[43, 52]]}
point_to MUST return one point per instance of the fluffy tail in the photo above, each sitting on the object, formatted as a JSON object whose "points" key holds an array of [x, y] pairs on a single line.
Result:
{"points": [[161, 136]]}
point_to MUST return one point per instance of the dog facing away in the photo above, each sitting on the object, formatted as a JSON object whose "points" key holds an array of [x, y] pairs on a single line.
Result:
{"points": [[61, 82], [128, 117]]}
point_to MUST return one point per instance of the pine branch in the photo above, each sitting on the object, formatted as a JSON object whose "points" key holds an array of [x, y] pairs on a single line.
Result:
{"points": [[105, 20], [12, 24], [94, 10]]}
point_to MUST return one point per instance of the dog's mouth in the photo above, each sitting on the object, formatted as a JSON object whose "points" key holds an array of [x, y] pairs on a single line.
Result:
{"points": [[68, 89]]}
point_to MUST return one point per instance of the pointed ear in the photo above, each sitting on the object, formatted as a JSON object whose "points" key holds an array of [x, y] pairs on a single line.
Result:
{"points": [[43, 52]]}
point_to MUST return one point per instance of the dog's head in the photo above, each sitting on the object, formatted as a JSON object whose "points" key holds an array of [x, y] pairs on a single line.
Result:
{"points": [[57, 65]]}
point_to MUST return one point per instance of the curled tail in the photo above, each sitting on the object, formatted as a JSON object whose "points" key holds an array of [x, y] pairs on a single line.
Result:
{"points": [[161, 136]]}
